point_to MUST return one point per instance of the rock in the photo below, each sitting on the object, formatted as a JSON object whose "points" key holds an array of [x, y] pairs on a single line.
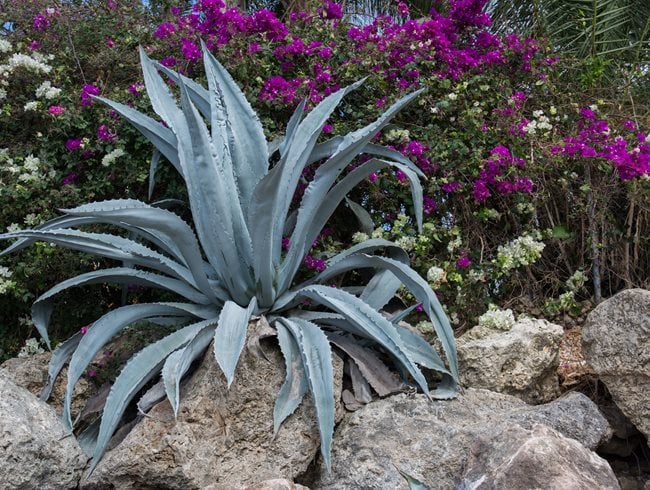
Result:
{"points": [[616, 343], [539, 458], [222, 436], [574, 415], [276, 484], [35, 449], [433, 441], [522, 361], [31, 373]]}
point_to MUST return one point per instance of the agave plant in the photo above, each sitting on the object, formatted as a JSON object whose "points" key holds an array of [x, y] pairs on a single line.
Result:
{"points": [[233, 268]]}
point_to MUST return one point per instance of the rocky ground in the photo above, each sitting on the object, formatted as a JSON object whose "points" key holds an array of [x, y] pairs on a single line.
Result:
{"points": [[542, 407]]}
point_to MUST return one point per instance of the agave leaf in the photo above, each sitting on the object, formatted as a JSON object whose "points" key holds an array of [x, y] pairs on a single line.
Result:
{"points": [[292, 125], [221, 228], [365, 318], [398, 317], [328, 205], [421, 351], [261, 329], [138, 371], [414, 483], [273, 194], [42, 307], [60, 356], [65, 222], [161, 98], [198, 94], [230, 336], [136, 213], [88, 438], [245, 135], [317, 363], [180, 361], [94, 404], [110, 246], [312, 213], [365, 220], [381, 379], [161, 137], [295, 383], [390, 154], [153, 395], [322, 210], [106, 327], [422, 292], [360, 385], [325, 149], [153, 166]]}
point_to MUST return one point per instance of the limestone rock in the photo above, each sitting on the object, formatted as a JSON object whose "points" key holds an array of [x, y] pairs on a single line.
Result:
{"points": [[573, 415], [31, 373], [539, 458], [433, 441], [616, 343], [522, 361], [35, 449], [222, 436], [276, 484]]}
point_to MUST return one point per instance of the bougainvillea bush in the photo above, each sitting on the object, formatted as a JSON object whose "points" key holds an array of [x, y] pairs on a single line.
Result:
{"points": [[536, 174]]}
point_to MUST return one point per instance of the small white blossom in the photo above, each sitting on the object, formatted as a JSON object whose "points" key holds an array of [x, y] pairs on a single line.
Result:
{"points": [[359, 237], [496, 318], [35, 63], [31, 106], [406, 242], [32, 347], [47, 91], [436, 276], [452, 96], [377, 233], [5, 46], [112, 156], [521, 251]]}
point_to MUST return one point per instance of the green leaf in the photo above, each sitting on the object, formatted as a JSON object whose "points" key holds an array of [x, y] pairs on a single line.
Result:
{"points": [[295, 383], [180, 361], [317, 362], [230, 336], [109, 325], [138, 371], [59, 358]]}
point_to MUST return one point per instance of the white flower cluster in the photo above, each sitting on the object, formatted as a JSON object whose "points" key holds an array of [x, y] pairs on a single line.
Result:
{"points": [[521, 251], [31, 106], [576, 281], [540, 123], [36, 63], [360, 237], [109, 158], [32, 347], [30, 170], [5, 283], [5, 46], [454, 244], [406, 242], [3, 93], [47, 91], [436, 276], [496, 318], [398, 135]]}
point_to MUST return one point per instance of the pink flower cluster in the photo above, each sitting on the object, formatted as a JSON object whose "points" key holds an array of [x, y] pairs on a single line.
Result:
{"points": [[595, 140], [493, 176]]}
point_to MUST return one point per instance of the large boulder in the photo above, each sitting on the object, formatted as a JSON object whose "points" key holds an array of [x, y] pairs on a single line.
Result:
{"points": [[35, 449], [31, 373], [616, 343], [522, 361], [221, 436], [436, 441], [538, 458]]}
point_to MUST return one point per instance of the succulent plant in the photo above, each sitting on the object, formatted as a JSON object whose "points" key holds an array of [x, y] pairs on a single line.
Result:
{"points": [[233, 268]]}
